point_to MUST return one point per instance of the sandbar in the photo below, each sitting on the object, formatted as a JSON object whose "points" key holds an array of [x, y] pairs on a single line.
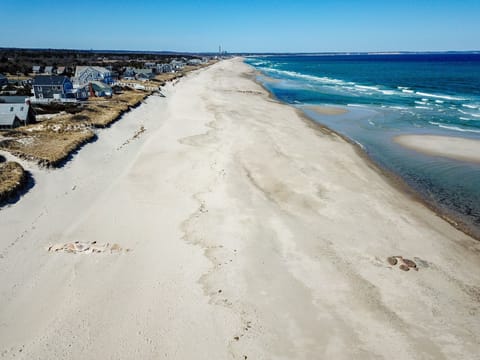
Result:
{"points": [[327, 110], [456, 148]]}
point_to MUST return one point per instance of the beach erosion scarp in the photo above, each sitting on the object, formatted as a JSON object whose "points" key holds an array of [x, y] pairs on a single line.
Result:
{"points": [[250, 234]]}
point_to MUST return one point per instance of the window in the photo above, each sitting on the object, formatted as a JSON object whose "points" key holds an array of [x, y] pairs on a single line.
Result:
{"points": [[11, 109], [21, 109]]}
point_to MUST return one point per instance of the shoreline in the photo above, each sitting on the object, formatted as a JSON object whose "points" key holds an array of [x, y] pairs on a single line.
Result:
{"points": [[205, 225], [81, 133], [393, 178]]}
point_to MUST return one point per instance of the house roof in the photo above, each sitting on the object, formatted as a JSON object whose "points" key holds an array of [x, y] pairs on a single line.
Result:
{"points": [[80, 69], [12, 99], [36, 67], [49, 80], [99, 86], [60, 69], [48, 68], [8, 112], [143, 71]]}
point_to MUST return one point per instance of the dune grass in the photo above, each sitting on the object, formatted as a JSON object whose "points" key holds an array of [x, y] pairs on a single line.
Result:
{"points": [[52, 142], [12, 178], [48, 145]]}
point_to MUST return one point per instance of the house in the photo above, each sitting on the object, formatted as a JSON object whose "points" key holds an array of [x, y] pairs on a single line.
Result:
{"points": [[101, 89], [143, 77], [86, 74], [15, 115], [3, 80], [194, 62], [81, 93], [52, 87], [144, 74], [164, 68], [150, 65], [129, 73], [36, 69], [177, 64], [48, 70], [61, 70]]}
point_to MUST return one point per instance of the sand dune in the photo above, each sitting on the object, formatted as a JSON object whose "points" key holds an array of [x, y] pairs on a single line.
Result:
{"points": [[251, 235]]}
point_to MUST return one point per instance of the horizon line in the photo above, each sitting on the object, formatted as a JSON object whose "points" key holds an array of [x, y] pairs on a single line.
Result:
{"points": [[174, 52]]}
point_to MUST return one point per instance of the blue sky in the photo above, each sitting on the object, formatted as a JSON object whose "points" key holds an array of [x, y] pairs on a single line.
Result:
{"points": [[243, 26]]}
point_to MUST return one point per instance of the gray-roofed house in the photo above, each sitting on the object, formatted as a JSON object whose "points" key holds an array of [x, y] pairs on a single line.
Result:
{"points": [[144, 74], [15, 115], [3, 80], [51, 87], [150, 65], [48, 70], [177, 64], [194, 62], [86, 74], [164, 68], [36, 69]]}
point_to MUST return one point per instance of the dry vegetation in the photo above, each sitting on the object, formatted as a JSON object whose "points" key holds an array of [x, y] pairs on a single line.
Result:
{"points": [[102, 112], [51, 142], [47, 144], [12, 179]]}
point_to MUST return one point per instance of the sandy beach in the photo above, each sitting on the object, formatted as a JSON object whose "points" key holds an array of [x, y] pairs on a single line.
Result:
{"points": [[230, 227], [445, 146]]}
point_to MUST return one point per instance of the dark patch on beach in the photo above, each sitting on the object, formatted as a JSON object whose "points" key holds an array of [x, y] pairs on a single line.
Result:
{"points": [[404, 264]]}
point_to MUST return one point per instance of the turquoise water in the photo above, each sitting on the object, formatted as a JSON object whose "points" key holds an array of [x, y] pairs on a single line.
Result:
{"points": [[390, 95]]}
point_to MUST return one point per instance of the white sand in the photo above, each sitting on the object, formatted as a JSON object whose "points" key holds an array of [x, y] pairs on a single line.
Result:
{"points": [[252, 234], [445, 146]]}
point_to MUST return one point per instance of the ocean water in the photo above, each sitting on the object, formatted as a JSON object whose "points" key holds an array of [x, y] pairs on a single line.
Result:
{"points": [[390, 95]]}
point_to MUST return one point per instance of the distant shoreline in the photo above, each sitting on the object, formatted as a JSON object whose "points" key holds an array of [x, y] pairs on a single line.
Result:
{"points": [[394, 178]]}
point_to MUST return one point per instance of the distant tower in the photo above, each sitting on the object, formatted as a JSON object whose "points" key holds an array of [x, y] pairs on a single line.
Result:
{"points": [[220, 50]]}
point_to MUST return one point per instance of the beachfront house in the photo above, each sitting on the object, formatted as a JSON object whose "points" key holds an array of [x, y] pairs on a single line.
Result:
{"points": [[100, 89], [129, 73], [164, 68], [52, 87], [144, 74], [48, 70], [177, 64], [194, 62], [150, 65], [3, 80], [86, 74], [15, 115]]}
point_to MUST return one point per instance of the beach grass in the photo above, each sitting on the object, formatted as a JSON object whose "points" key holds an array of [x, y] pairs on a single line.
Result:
{"points": [[48, 145], [52, 142], [12, 178]]}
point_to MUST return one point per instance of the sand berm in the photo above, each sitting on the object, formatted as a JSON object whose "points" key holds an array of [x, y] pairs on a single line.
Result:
{"points": [[229, 228]]}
